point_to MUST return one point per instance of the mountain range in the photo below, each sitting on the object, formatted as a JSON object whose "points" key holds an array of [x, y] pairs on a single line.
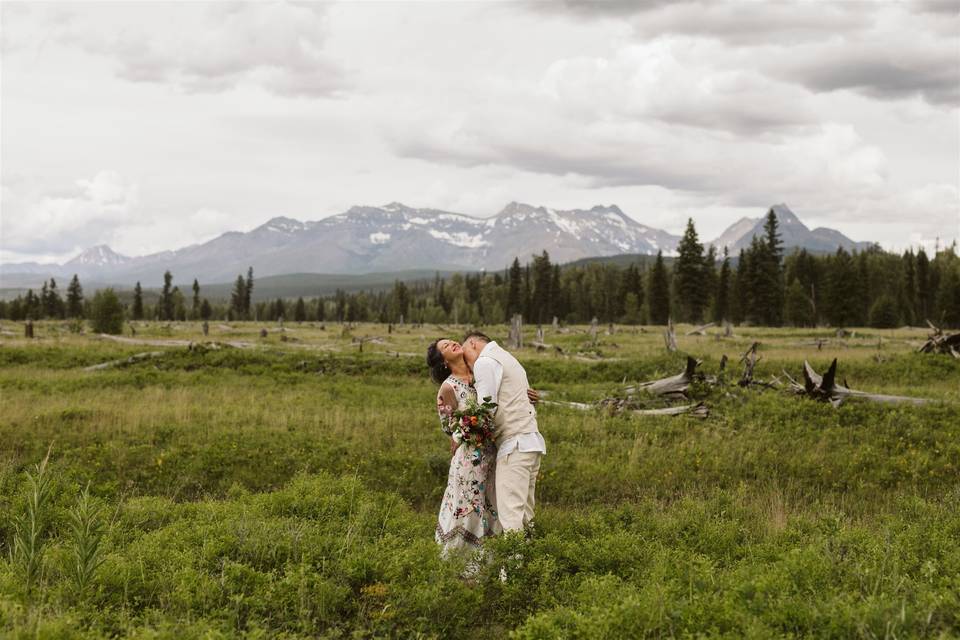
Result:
{"points": [[395, 238]]}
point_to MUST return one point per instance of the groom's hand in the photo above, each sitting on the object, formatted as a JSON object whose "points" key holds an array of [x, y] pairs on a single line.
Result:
{"points": [[533, 395]]}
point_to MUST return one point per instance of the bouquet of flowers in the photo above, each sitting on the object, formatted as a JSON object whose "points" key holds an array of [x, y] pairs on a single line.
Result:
{"points": [[474, 423]]}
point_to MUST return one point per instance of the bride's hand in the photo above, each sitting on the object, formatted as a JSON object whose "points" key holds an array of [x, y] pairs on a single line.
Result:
{"points": [[533, 395], [453, 446]]}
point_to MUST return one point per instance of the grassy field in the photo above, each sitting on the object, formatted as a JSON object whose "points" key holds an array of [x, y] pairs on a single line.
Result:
{"points": [[288, 486]]}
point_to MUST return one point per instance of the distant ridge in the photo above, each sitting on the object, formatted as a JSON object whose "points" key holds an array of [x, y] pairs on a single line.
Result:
{"points": [[793, 233], [395, 238]]}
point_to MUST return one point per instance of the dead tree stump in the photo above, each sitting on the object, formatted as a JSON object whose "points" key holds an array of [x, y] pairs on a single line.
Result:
{"points": [[825, 388], [516, 331], [28, 329], [206, 328], [672, 387], [938, 342], [670, 336]]}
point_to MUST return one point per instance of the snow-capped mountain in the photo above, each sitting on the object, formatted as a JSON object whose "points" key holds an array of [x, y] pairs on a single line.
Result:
{"points": [[793, 234], [396, 237], [98, 256]]}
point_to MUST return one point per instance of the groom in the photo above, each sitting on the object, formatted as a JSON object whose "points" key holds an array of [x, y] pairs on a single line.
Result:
{"points": [[497, 374]]}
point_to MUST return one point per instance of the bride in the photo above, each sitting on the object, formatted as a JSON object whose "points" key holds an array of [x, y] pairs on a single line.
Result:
{"points": [[468, 512]]}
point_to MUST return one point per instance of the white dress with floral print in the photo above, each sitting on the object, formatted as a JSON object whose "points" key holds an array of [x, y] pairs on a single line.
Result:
{"points": [[467, 513]]}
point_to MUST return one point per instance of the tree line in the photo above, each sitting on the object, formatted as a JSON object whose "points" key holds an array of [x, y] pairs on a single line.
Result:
{"points": [[759, 286]]}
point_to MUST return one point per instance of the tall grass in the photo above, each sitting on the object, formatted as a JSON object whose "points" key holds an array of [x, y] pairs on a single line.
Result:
{"points": [[29, 527]]}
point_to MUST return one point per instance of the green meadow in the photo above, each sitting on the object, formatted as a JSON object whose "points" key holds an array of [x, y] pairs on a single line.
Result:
{"points": [[287, 486]]}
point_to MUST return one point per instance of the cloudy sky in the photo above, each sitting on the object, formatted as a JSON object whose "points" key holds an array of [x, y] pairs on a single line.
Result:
{"points": [[152, 126]]}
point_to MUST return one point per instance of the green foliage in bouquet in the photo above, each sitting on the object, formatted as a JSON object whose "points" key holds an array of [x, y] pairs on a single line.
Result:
{"points": [[474, 423]]}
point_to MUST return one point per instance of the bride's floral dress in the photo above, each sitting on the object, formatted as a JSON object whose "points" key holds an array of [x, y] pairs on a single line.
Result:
{"points": [[467, 513]]}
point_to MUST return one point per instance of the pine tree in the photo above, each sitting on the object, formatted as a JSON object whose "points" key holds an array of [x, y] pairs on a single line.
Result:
{"points": [[514, 289], [688, 273], [770, 277], [541, 297], [166, 298], [74, 298], [741, 289], [842, 297], [300, 311], [948, 295], [238, 298], [797, 310], [248, 293], [721, 308], [106, 312], [659, 292], [137, 312], [195, 307], [924, 300], [321, 310], [206, 311], [909, 297]]}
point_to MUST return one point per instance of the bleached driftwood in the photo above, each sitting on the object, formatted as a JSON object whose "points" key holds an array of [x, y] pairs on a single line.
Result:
{"points": [[672, 387], [701, 330], [137, 357], [697, 409], [826, 388], [939, 342]]}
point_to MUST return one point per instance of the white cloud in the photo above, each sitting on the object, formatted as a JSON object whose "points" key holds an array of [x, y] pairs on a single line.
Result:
{"points": [[278, 46]]}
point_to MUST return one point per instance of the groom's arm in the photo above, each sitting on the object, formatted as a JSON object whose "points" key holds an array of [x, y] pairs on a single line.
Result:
{"points": [[487, 374]]}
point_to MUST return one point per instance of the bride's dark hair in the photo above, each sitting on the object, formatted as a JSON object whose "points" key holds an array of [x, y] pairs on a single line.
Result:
{"points": [[438, 366]]}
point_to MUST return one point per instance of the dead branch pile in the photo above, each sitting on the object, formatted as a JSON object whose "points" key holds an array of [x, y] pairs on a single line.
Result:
{"points": [[825, 388], [939, 342]]}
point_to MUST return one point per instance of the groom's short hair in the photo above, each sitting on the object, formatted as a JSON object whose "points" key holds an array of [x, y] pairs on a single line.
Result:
{"points": [[482, 337]]}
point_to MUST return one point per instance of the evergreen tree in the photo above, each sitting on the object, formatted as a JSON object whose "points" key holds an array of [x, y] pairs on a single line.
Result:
{"points": [[721, 307], [741, 300], [514, 289], [541, 297], [206, 311], [883, 312], [195, 307], [948, 295], [908, 302], [659, 292], [178, 305], [248, 292], [688, 274], [238, 298], [300, 311], [166, 297], [842, 297], [137, 312], [74, 298], [924, 295], [106, 312], [797, 309], [321, 310]]}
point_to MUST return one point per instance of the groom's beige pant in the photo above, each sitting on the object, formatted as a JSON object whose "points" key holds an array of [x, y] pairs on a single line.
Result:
{"points": [[516, 483]]}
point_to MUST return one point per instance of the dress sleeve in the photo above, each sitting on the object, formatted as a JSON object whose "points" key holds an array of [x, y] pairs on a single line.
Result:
{"points": [[446, 403]]}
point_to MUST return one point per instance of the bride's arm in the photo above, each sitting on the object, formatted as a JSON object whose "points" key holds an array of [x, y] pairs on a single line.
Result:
{"points": [[446, 402]]}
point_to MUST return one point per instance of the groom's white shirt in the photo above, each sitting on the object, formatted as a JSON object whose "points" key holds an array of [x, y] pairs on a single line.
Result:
{"points": [[487, 375]]}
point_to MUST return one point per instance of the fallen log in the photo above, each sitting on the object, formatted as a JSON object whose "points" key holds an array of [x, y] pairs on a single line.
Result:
{"points": [[701, 330], [825, 388], [697, 409], [137, 357], [672, 387], [749, 360]]}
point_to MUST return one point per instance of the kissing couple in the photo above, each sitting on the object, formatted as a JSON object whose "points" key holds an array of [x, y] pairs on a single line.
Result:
{"points": [[490, 486]]}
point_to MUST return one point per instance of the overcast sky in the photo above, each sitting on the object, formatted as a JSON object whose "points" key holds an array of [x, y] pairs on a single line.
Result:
{"points": [[153, 126]]}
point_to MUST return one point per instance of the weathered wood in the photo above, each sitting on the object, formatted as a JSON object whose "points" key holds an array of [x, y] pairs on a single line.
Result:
{"points": [[593, 331], [132, 359], [206, 328], [515, 339], [939, 342], [825, 388], [701, 330], [670, 336], [749, 360], [697, 409], [672, 387], [28, 329]]}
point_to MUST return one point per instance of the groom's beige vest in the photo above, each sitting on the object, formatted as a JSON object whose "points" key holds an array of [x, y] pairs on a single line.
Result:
{"points": [[515, 415]]}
